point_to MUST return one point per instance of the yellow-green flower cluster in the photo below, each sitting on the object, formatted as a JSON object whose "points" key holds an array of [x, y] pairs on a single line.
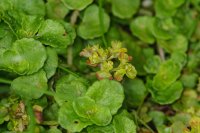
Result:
{"points": [[194, 125], [114, 62]]}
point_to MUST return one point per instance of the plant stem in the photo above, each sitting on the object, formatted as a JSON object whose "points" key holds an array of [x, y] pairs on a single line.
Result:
{"points": [[32, 121], [68, 71], [74, 17], [161, 52], [143, 123], [5, 81], [49, 93], [140, 106], [73, 20], [101, 21], [70, 56]]}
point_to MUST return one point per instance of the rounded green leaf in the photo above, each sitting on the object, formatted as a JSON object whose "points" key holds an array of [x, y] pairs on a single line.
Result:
{"points": [[100, 129], [51, 63], [180, 58], [71, 33], [5, 4], [31, 86], [84, 106], [6, 36], [90, 26], [102, 116], [158, 117], [33, 51], [172, 4], [21, 24], [32, 7], [152, 64], [77, 4], [177, 43], [168, 72], [135, 92], [123, 124], [162, 10], [121, 12], [56, 9], [107, 93], [68, 88], [168, 95], [3, 113], [140, 27], [163, 28], [54, 130], [53, 33], [69, 120], [189, 80], [26, 56], [12, 61], [87, 108]]}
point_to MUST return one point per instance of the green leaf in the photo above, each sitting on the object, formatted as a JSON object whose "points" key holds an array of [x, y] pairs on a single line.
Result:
{"points": [[54, 130], [169, 94], [51, 112], [51, 63], [84, 106], [189, 80], [90, 26], [31, 86], [179, 58], [68, 88], [162, 11], [158, 117], [163, 29], [178, 127], [123, 124], [181, 117], [100, 129], [77, 4], [11, 61], [121, 12], [164, 129], [168, 72], [135, 92], [26, 56], [22, 25], [56, 9], [87, 108], [152, 64], [102, 116], [69, 120], [71, 33], [3, 114], [6, 36], [171, 4], [140, 27], [177, 43], [53, 33], [186, 22], [101, 92], [31, 7], [6, 5]]}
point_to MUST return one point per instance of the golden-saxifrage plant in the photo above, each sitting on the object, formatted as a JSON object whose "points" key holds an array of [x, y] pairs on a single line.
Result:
{"points": [[114, 62]]}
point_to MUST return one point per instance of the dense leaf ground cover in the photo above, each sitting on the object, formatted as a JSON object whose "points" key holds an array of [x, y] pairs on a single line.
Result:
{"points": [[99, 66]]}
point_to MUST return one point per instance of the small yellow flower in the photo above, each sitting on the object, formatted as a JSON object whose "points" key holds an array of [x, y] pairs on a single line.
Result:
{"points": [[106, 59]]}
